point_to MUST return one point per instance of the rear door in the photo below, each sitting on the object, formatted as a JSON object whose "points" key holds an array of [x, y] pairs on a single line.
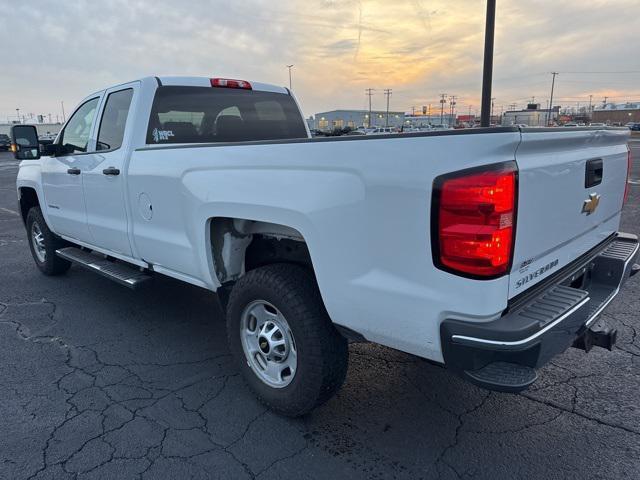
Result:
{"points": [[571, 189], [104, 180]]}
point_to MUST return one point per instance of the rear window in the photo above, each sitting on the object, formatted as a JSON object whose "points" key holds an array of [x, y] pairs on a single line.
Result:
{"points": [[203, 114]]}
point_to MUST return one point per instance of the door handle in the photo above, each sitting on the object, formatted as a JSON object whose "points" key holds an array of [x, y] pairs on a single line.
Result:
{"points": [[111, 171], [73, 171]]}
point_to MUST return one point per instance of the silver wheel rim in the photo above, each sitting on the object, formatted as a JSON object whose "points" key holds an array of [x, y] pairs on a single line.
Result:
{"points": [[268, 344], [37, 239]]}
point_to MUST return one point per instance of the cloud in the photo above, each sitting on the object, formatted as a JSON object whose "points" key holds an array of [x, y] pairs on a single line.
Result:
{"points": [[420, 48]]}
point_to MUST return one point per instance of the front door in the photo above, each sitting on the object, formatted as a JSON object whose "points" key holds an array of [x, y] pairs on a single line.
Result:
{"points": [[62, 175], [104, 180]]}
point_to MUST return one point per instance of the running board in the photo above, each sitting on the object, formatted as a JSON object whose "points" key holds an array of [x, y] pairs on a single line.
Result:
{"points": [[120, 272]]}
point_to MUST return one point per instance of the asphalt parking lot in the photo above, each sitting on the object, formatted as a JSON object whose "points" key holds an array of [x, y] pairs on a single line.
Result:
{"points": [[97, 381]]}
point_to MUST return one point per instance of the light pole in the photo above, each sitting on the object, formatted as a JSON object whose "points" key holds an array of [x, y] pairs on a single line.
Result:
{"points": [[487, 70], [18, 114], [64, 119], [289, 67]]}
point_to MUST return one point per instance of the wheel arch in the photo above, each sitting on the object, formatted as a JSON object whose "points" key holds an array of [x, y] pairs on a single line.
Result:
{"points": [[27, 199], [238, 245]]}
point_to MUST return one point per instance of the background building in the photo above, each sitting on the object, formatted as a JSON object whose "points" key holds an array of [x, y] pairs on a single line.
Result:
{"points": [[618, 113], [533, 116], [43, 128], [355, 118]]}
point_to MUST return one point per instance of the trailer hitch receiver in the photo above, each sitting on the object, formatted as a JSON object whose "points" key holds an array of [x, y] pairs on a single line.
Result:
{"points": [[605, 338]]}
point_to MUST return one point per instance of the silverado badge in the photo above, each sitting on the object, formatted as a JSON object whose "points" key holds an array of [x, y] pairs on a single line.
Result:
{"points": [[589, 206]]}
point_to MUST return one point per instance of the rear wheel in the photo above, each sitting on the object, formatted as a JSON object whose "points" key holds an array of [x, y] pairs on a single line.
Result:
{"points": [[286, 346], [43, 244]]}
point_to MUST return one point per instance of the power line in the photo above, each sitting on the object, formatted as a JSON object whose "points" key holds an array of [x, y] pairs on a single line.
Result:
{"points": [[605, 72]]}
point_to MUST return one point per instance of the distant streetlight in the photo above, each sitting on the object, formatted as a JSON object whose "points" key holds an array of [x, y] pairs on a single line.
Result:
{"points": [[289, 67], [18, 114]]}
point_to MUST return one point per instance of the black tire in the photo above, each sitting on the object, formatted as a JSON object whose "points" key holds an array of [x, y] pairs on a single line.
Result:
{"points": [[322, 353], [52, 264]]}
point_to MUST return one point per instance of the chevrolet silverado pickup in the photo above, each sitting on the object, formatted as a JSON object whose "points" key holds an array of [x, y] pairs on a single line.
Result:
{"points": [[485, 250]]}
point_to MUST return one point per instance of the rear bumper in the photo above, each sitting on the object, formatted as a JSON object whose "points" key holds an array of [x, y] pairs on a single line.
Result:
{"points": [[503, 354]]}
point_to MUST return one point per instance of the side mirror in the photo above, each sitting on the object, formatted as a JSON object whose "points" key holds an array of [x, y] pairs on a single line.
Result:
{"points": [[24, 142]]}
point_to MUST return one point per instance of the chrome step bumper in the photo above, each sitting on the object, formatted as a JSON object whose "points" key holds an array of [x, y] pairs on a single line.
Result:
{"points": [[489, 354]]}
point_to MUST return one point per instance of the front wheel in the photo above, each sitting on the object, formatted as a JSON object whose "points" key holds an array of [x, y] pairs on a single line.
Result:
{"points": [[285, 344], [43, 244]]}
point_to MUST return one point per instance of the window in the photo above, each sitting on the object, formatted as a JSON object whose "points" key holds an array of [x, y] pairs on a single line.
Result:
{"points": [[208, 114], [114, 119], [75, 135]]}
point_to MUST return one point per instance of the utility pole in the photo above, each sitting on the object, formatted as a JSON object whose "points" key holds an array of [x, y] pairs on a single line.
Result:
{"points": [[443, 100], [553, 81], [64, 119], [413, 111], [369, 92], [487, 70], [289, 67], [387, 92], [18, 114], [452, 105], [590, 98]]}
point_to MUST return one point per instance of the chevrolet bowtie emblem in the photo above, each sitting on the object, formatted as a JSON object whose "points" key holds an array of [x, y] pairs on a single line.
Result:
{"points": [[589, 206]]}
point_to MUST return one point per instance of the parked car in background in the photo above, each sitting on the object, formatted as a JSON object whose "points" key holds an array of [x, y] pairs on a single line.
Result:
{"points": [[597, 124], [487, 250], [634, 127], [5, 142], [381, 131]]}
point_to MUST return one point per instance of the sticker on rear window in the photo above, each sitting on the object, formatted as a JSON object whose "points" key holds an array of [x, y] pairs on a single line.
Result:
{"points": [[160, 135]]}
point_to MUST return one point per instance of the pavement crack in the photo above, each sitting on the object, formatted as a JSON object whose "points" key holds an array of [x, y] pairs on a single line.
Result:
{"points": [[555, 405]]}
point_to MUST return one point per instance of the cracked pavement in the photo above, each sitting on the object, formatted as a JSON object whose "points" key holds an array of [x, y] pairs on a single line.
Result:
{"points": [[97, 381]]}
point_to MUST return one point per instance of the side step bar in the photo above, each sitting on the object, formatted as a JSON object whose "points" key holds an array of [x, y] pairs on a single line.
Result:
{"points": [[120, 272]]}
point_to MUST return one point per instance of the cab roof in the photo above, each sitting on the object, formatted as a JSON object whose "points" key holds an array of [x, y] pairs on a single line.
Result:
{"points": [[206, 82]]}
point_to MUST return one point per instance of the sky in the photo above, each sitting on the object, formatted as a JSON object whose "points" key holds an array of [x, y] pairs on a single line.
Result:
{"points": [[60, 51]]}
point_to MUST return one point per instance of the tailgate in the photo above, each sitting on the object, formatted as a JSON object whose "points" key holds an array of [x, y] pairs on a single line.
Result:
{"points": [[564, 208]]}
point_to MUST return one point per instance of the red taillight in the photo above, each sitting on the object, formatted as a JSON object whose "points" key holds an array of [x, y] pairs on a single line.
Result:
{"points": [[474, 214], [230, 83], [626, 185]]}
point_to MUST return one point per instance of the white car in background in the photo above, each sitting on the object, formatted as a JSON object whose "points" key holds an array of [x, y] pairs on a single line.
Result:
{"points": [[381, 131]]}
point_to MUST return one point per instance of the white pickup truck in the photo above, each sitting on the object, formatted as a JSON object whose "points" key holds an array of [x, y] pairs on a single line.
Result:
{"points": [[485, 250]]}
